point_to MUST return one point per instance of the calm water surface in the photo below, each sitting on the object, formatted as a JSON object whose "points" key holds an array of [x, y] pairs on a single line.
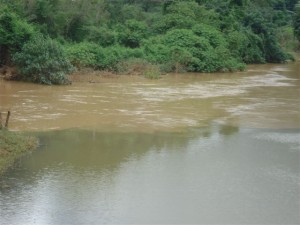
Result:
{"points": [[186, 149]]}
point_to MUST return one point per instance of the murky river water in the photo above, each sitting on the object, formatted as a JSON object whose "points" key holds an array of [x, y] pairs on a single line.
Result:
{"points": [[186, 149]]}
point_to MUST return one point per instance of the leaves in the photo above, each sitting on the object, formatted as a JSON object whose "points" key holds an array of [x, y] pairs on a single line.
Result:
{"points": [[193, 35], [297, 21], [42, 60]]}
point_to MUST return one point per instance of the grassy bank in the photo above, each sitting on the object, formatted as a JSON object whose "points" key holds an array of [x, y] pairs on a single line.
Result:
{"points": [[12, 147]]}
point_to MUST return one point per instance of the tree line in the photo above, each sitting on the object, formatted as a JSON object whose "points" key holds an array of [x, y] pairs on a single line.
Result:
{"points": [[47, 39]]}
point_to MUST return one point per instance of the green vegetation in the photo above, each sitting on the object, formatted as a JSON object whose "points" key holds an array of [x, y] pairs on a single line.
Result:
{"points": [[42, 60], [14, 33], [297, 21], [172, 35], [12, 147]]}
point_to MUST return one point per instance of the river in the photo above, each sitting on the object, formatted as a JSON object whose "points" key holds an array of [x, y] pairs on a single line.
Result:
{"points": [[185, 149]]}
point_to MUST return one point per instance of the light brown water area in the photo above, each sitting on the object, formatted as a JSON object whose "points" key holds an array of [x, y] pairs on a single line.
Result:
{"points": [[264, 96], [184, 149]]}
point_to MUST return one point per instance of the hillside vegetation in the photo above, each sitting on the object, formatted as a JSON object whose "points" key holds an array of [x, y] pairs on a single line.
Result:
{"points": [[47, 39]]}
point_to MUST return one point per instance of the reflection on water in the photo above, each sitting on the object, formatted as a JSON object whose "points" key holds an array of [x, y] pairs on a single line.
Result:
{"points": [[186, 149], [219, 174]]}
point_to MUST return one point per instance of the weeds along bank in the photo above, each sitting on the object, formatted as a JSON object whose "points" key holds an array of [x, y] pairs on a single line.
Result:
{"points": [[46, 39], [12, 147]]}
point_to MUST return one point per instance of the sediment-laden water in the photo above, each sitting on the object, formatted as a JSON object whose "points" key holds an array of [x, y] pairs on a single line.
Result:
{"points": [[185, 149]]}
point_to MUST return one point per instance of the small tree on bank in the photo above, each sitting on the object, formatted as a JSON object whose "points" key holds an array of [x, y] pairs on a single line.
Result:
{"points": [[42, 60]]}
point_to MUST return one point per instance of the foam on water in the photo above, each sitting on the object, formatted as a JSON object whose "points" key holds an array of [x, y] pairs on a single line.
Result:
{"points": [[139, 102], [216, 88]]}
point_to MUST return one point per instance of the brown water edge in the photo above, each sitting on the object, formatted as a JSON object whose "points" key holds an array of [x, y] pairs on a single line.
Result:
{"points": [[265, 96]]}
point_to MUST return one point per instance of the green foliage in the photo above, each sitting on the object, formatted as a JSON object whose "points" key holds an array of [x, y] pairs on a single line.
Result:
{"points": [[177, 35], [202, 51], [14, 32], [213, 35], [92, 55], [246, 46], [155, 50], [297, 21], [43, 61], [286, 38], [132, 33], [101, 35], [108, 58], [265, 30], [83, 54], [43, 14], [131, 12], [178, 15]]}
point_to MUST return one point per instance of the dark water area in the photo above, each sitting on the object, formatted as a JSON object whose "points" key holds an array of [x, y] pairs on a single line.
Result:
{"points": [[187, 149]]}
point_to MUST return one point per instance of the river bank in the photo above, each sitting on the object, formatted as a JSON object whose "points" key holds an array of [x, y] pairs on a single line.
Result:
{"points": [[12, 147]]}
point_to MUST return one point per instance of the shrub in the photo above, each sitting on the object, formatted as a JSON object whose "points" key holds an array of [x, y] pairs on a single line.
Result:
{"points": [[286, 38], [132, 33], [102, 36], [297, 21], [266, 33], [183, 50], [43, 61], [177, 15], [155, 51], [83, 54], [14, 32], [214, 36], [246, 46], [108, 58]]}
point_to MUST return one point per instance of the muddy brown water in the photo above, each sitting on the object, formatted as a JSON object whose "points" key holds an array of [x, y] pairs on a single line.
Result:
{"points": [[185, 149]]}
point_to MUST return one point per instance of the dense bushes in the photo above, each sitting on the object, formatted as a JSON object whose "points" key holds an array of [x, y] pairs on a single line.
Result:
{"points": [[83, 54], [43, 61], [101, 35], [132, 34], [177, 35], [92, 55], [297, 21], [108, 58], [246, 46], [14, 32], [202, 50]]}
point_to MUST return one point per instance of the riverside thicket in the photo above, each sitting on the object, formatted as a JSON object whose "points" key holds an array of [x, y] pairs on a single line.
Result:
{"points": [[169, 35]]}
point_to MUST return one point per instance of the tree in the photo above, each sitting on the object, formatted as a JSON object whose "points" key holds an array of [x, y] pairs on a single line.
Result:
{"points": [[43, 61], [297, 21], [14, 32], [197, 35], [177, 15], [132, 33]]}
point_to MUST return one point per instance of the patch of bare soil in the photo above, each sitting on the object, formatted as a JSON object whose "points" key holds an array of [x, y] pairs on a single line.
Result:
{"points": [[8, 73]]}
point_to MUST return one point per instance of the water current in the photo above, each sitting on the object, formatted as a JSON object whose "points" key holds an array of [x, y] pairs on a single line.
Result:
{"points": [[185, 149]]}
